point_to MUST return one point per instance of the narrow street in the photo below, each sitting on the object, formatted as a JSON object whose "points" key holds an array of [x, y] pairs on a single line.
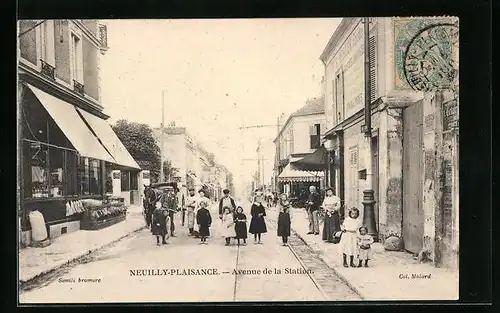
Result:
{"points": [[113, 266]]}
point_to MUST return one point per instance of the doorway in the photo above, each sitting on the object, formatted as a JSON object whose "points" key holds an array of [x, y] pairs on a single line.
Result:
{"points": [[413, 215]]}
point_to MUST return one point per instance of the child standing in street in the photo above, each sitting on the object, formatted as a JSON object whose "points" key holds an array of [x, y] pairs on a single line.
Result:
{"points": [[257, 224], [159, 224], [204, 221], [240, 226], [284, 218], [228, 227], [364, 246], [349, 240]]}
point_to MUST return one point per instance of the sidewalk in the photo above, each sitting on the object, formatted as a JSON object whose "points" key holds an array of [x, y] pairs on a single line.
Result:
{"points": [[34, 262], [384, 279]]}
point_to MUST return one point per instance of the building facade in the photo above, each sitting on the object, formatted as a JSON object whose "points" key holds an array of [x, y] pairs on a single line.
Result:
{"points": [[67, 151], [299, 136], [407, 136], [196, 168]]}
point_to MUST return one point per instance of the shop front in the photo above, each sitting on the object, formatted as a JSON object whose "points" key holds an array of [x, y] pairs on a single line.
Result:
{"points": [[64, 163], [296, 183]]}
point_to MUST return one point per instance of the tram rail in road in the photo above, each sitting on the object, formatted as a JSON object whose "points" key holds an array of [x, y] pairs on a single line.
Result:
{"points": [[331, 286]]}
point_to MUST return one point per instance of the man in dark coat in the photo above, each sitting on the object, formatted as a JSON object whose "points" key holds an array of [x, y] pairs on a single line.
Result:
{"points": [[169, 202], [312, 205], [226, 201]]}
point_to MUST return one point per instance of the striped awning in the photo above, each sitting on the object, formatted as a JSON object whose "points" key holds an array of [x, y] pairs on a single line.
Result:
{"points": [[290, 174]]}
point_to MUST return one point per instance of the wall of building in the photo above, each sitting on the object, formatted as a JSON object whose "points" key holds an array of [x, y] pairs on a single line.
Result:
{"points": [[347, 59], [301, 133]]}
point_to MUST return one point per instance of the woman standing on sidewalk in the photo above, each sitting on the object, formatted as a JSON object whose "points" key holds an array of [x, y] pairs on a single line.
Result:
{"points": [[284, 218], [257, 224], [331, 225]]}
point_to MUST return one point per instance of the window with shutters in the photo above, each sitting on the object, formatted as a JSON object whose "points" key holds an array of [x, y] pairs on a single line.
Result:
{"points": [[314, 135], [373, 69]]}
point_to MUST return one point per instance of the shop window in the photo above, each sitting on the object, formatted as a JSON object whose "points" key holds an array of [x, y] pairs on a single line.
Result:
{"points": [[89, 176], [47, 171]]}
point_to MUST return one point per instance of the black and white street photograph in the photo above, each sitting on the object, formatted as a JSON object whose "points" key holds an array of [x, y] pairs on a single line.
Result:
{"points": [[238, 160]]}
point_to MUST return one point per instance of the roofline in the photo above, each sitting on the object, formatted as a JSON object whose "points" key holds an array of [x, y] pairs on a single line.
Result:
{"points": [[292, 116], [334, 39]]}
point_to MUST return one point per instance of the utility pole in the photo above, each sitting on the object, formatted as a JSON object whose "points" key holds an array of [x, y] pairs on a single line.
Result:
{"points": [[162, 134], [368, 193]]}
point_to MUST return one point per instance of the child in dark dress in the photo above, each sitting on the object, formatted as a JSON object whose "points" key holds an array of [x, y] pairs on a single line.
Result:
{"points": [[284, 218], [204, 220], [241, 225], [257, 224], [159, 225]]}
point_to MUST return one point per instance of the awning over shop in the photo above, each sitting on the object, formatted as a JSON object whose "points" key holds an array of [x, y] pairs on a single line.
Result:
{"points": [[71, 124], [110, 140], [312, 162], [290, 174]]}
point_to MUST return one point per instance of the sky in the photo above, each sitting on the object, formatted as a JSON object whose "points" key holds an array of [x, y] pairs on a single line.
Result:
{"points": [[217, 75]]}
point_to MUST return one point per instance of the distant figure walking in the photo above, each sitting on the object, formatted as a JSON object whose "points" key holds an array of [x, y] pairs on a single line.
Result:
{"points": [[204, 221], [240, 225], [257, 224], [284, 218]]}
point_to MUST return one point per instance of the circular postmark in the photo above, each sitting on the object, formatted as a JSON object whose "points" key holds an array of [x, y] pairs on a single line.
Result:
{"points": [[430, 60]]}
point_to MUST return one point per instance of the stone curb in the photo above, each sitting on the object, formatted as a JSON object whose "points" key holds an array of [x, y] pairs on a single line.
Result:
{"points": [[24, 283]]}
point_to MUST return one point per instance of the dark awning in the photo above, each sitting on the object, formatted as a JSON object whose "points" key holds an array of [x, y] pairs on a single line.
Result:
{"points": [[312, 162]]}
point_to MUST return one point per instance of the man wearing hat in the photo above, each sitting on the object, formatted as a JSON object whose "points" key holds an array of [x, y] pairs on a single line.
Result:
{"points": [[191, 204], [226, 201], [169, 202]]}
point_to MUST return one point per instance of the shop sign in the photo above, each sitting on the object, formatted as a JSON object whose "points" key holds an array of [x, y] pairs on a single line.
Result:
{"points": [[450, 115], [116, 175], [146, 175]]}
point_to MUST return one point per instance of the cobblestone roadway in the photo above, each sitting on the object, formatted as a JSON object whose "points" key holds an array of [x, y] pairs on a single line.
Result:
{"points": [[112, 267]]}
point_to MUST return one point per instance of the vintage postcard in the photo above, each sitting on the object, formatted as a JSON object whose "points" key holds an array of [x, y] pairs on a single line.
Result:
{"points": [[238, 160]]}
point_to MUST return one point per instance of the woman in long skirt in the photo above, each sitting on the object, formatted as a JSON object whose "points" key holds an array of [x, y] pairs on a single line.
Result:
{"points": [[257, 224], [284, 218], [331, 225]]}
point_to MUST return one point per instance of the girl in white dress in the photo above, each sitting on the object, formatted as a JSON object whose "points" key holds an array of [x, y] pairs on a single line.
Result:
{"points": [[228, 230], [349, 240]]}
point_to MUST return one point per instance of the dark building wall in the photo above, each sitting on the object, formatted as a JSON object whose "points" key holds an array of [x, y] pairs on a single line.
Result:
{"points": [[27, 41]]}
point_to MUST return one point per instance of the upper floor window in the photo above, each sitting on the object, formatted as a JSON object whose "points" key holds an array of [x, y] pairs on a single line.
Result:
{"points": [[76, 58], [314, 135]]}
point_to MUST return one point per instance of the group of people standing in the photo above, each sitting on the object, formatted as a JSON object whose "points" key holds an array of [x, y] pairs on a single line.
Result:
{"points": [[351, 235]]}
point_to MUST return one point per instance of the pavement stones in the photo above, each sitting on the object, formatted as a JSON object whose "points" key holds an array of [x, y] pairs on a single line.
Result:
{"points": [[392, 275], [36, 262]]}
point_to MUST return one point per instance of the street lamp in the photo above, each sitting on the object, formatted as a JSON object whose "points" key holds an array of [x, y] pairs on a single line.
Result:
{"points": [[329, 146]]}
